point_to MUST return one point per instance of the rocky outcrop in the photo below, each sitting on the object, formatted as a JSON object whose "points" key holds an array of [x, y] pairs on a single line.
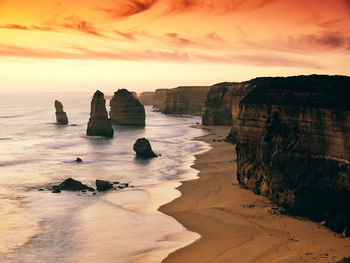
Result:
{"points": [[71, 185], [143, 149], [181, 100], [293, 145], [146, 98], [99, 123], [220, 101], [61, 116], [159, 99], [126, 109], [102, 185]]}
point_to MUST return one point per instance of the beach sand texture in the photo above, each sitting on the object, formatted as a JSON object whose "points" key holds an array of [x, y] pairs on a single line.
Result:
{"points": [[238, 226]]}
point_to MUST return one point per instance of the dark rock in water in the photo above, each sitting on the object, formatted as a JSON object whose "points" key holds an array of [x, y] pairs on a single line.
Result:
{"points": [[41, 189], [56, 190], [143, 149], [126, 109], [99, 123], [102, 185], [72, 185], [78, 160], [61, 116]]}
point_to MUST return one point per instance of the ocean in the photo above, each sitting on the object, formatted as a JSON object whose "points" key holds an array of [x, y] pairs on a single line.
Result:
{"points": [[115, 226]]}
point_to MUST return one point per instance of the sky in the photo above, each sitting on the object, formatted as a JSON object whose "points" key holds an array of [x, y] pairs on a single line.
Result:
{"points": [[142, 45]]}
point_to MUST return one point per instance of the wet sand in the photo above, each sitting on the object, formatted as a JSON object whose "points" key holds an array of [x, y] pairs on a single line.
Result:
{"points": [[238, 226]]}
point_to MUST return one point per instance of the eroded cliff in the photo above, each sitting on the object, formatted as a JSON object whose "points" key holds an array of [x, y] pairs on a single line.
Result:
{"points": [[159, 99], [146, 98], [293, 145], [217, 109]]}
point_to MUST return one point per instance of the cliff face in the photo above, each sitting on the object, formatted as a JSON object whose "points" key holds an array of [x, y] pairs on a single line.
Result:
{"points": [[185, 100], [126, 109], [221, 99], [146, 98], [61, 116], [159, 99], [293, 145], [99, 124]]}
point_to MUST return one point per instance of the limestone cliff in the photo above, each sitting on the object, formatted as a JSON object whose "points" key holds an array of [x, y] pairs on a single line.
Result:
{"points": [[159, 99], [294, 145], [126, 109], [146, 98], [61, 116], [99, 123], [217, 109]]}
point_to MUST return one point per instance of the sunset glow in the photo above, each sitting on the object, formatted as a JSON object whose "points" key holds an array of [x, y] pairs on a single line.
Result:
{"points": [[147, 44]]}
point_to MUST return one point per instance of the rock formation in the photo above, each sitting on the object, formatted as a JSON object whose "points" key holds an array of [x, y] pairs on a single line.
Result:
{"points": [[71, 185], [221, 100], [159, 99], [102, 185], [146, 98], [61, 116], [293, 145], [181, 100], [99, 124], [126, 109], [143, 149]]}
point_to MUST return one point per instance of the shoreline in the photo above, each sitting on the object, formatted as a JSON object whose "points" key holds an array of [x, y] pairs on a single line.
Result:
{"points": [[236, 225]]}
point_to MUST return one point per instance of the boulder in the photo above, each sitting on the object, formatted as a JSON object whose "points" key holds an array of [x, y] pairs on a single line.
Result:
{"points": [[126, 109], [71, 185], [143, 149], [61, 116], [102, 185], [78, 160], [99, 123]]}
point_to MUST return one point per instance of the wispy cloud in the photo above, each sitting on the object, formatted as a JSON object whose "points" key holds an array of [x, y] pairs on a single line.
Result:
{"points": [[127, 8], [178, 40], [13, 26]]}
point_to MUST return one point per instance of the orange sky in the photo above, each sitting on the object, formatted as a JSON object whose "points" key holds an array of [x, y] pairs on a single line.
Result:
{"points": [[74, 45]]}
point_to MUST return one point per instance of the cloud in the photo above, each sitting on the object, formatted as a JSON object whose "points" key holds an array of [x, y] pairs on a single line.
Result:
{"points": [[74, 23], [179, 40], [128, 8], [13, 26], [325, 40], [126, 35]]}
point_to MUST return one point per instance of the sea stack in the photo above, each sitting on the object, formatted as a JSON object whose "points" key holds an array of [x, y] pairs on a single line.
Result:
{"points": [[61, 116], [126, 109], [99, 123], [146, 98]]}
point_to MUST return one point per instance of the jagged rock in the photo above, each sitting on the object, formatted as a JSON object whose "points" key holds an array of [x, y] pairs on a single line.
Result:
{"points": [[126, 109], [61, 116], [99, 124], [143, 149], [71, 185], [102, 185], [78, 160], [293, 145], [146, 98]]}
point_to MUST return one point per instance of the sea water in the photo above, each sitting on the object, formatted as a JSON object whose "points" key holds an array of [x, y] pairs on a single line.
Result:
{"points": [[116, 226]]}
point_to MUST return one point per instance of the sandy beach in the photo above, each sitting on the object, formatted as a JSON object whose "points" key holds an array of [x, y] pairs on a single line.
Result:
{"points": [[238, 226]]}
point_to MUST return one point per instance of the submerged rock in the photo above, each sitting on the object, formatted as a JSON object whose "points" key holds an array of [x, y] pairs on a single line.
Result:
{"points": [[71, 185], [99, 123], [126, 109], [143, 149], [102, 185], [78, 160], [61, 116]]}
